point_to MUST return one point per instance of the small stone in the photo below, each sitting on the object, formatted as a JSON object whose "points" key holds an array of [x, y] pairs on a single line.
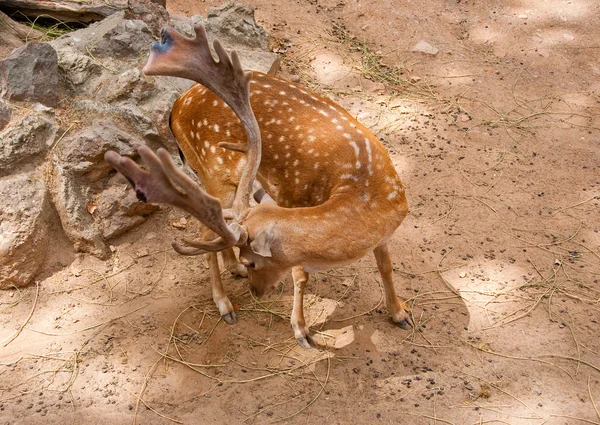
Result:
{"points": [[426, 48]]}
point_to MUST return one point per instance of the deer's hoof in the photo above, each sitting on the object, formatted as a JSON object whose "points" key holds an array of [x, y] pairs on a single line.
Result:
{"points": [[304, 342], [229, 318], [403, 324]]}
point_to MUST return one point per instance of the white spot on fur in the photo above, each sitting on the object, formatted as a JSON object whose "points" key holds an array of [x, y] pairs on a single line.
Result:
{"points": [[349, 177], [356, 148]]}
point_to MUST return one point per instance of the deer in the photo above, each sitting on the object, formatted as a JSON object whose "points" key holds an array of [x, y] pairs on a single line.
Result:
{"points": [[325, 189]]}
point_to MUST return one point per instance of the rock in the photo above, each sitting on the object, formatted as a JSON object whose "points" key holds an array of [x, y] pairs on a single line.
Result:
{"points": [[5, 113], [158, 110], [25, 142], [126, 40], [254, 55], [119, 211], [152, 12], [130, 85], [83, 153], [426, 48], [234, 24], [112, 39], [30, 73], [77, 170], [77, 69], [255, 60], [137, 121], [24, 218]]}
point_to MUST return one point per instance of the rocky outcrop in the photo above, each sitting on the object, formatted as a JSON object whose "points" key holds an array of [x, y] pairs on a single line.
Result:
{"points": [[77, 186], [30, 73], [24, 214], [234, 25], [106, 104], [25, 142]]}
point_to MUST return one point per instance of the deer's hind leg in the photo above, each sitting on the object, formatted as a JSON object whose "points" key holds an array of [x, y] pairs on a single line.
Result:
{"points": [[399, 311]]}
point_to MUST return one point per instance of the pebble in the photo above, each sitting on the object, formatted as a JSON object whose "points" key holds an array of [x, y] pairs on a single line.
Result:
{"points": [[426, 48]]}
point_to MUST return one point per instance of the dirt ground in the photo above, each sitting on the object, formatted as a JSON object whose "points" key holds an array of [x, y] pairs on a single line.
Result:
{"points": [[497, 141]]}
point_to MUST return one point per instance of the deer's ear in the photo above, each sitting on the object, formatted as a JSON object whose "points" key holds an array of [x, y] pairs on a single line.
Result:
{"points": [[261, 244]]}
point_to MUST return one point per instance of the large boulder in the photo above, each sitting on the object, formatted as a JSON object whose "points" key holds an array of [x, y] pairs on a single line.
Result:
{"points": [[126, 40], [118, 210], [104, 48], [79, 180], [25, 142], [234, 25], [78, 70], [24, 218], [30, 73]]}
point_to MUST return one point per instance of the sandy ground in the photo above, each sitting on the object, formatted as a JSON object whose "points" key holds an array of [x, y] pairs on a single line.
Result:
{"points": [[497, 140]]}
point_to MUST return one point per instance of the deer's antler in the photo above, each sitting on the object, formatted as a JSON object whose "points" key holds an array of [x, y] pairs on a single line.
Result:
{"points": [[164, 183], [179, 56]]}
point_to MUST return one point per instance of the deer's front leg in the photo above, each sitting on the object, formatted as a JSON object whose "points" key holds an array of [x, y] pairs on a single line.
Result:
{"points": [[219, 296], [399, 311], [297, 321]]}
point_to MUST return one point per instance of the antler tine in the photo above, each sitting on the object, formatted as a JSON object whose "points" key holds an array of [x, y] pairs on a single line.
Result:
{"points": [[202, 247], [156, 185], [241, 106]]}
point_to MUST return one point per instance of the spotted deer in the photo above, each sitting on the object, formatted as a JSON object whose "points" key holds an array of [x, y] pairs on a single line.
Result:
{"points": [[326, 188]]}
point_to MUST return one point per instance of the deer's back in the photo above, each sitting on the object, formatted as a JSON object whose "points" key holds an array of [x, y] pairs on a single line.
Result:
{"points": [[312, 148]]}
